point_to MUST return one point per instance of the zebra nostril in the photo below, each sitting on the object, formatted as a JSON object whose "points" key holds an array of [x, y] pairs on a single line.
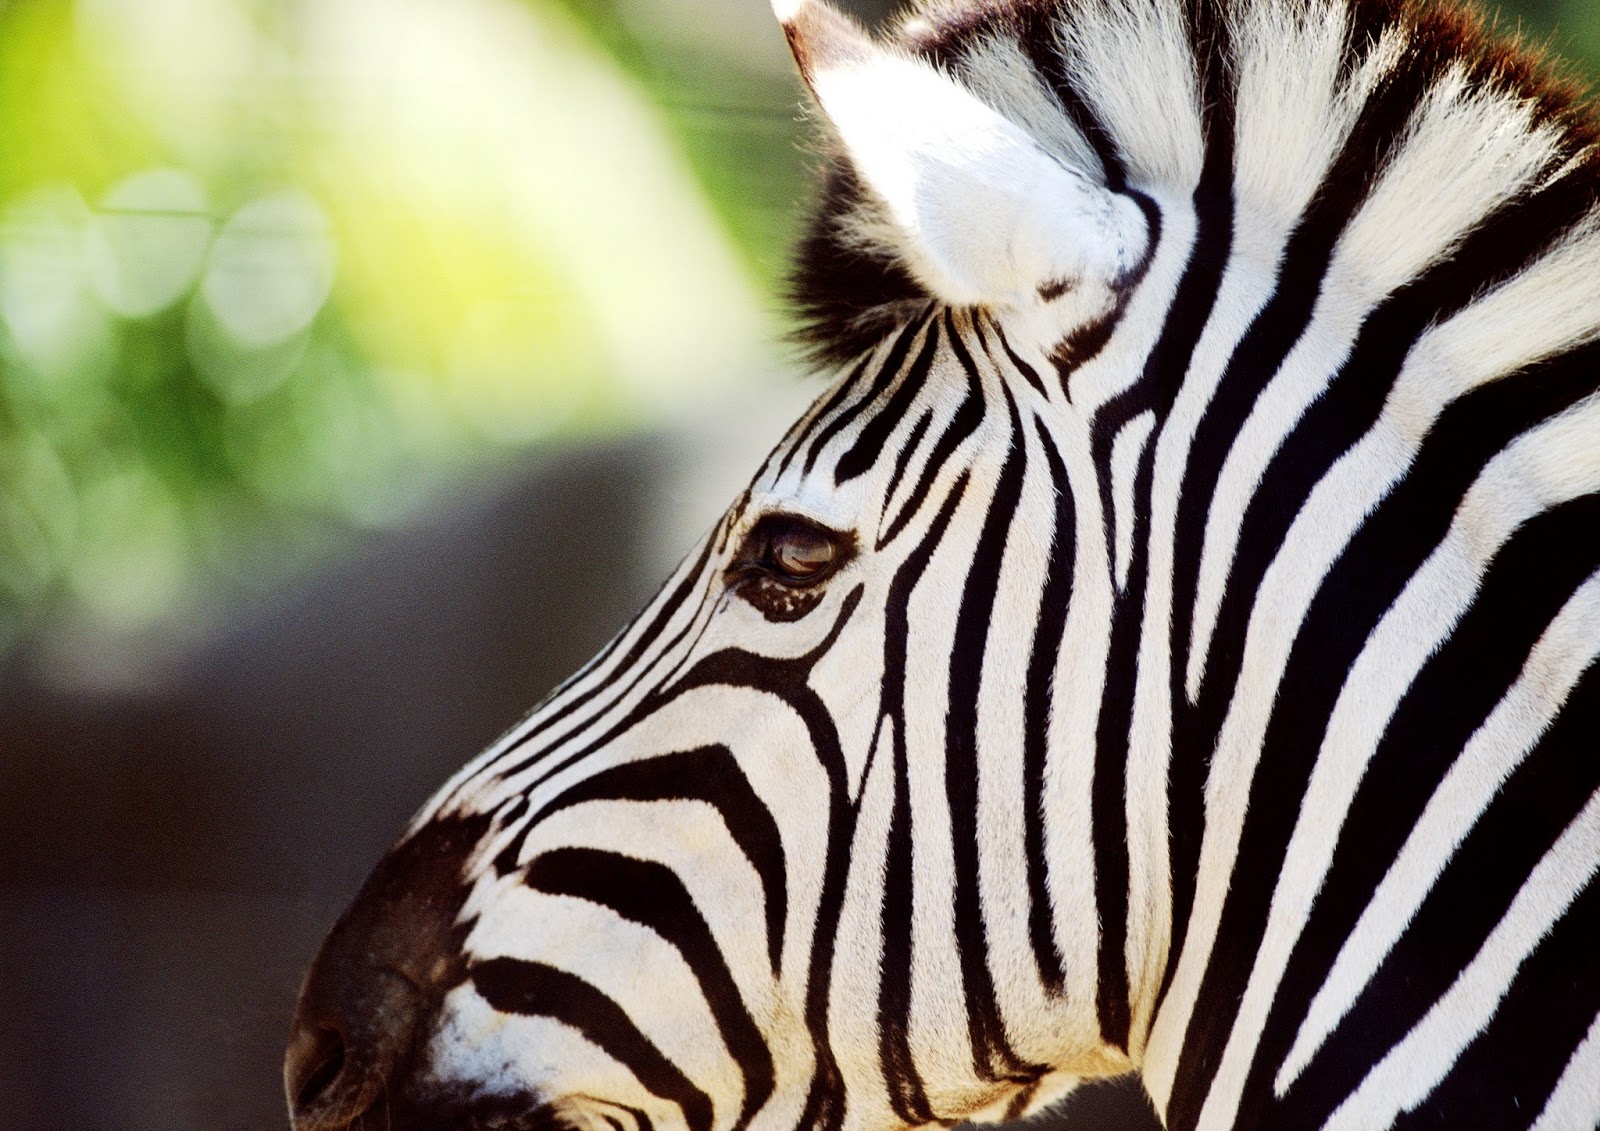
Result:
{"points": [[314, 1063], [345, 1051]]}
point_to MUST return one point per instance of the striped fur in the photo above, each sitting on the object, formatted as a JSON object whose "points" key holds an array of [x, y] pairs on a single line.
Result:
{"points": [[1209, 691]]}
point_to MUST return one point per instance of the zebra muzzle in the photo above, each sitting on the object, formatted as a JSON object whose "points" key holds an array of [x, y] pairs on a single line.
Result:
{"points": [[365, 1007]]}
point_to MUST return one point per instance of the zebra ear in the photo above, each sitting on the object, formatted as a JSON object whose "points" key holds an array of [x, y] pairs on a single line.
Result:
{"points": [[982, 213]]}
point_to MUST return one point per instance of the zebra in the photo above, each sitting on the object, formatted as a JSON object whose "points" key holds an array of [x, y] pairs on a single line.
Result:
{"points": [[1166, 648]]}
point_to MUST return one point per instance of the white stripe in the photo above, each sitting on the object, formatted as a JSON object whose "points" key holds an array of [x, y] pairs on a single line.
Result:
{"points": [[858, 941], [1575, 1100], [622, 959], [1080, 673], [1421, 617], [1414, 1067], [1156, 117], [1125, 452], [1042, 1028], [1079, 681], [1293, 113], [1246, 285], [1554, 462], [1498, 747], [1397, 232]]}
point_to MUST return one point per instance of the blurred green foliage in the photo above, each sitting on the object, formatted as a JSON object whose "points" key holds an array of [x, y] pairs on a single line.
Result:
{"points": [[268, 269], [1568, 29], [271, 268]]}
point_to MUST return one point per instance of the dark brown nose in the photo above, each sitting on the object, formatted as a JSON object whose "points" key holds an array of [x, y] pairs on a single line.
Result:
{"points": [[367, 1001]]}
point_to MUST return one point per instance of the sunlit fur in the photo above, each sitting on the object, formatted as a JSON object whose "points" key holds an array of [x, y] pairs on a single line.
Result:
{"points": [[1211, 693]]}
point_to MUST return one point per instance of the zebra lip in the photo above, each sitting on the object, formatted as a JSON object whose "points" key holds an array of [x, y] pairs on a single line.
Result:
{"points": [[460, 1109]]}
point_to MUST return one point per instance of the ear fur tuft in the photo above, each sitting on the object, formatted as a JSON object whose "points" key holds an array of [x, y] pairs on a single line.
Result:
{"points": [[821, 36]]}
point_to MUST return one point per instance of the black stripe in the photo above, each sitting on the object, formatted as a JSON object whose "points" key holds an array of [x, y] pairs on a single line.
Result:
{"points": [[1272, 334], [825, 411], [1530, 579], [847, 299], [963, 423], [1084, 344], [1017, 1107], [993, 1057], [1154, 393], [1382, 557], [893, 362], [1029, 373], [1283, 319], [864, 453], [661, 669], [660, 616], [1471, 896], [1194, 300], [788, 681], [1108, 792], [651, 894], [641, 1121], [907, 1094], [533, 989], [1038, 35], [903, 460], [1164, 371], [1504, 246], [513, 812], [1504, 1078], [710, 775], [1492, 864], [1038, 705]]}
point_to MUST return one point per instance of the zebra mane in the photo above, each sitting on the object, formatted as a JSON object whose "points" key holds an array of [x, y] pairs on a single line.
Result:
{"points": [[1144, 92]]}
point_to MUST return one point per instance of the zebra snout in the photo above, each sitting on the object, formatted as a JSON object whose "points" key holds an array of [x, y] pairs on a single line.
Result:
{"points": [[367, 1001], [351, 1041]]}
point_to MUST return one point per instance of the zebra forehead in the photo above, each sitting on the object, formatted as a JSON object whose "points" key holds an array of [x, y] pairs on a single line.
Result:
{"points": [[807, 497]]}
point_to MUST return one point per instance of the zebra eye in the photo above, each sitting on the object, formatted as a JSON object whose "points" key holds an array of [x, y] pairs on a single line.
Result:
{"points": [[802, 554], [792, 551]]}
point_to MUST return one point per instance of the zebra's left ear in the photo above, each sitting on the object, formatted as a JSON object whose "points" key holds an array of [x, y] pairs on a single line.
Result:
{"points": [[983, 215]]}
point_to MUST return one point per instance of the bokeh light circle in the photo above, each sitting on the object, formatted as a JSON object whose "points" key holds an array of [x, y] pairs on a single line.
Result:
{"points": [[271, 269], [146, 242]]}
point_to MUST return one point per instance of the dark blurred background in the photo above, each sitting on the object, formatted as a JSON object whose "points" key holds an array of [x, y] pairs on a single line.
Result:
{"points": [[363, 365]]}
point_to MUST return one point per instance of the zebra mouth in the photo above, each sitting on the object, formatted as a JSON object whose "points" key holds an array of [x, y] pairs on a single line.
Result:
{"points": [[458, 1111], [461, 1110]]}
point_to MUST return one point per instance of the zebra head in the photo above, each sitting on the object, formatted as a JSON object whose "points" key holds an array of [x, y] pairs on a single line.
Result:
{"points": [[994, 739], [682, 893]]}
